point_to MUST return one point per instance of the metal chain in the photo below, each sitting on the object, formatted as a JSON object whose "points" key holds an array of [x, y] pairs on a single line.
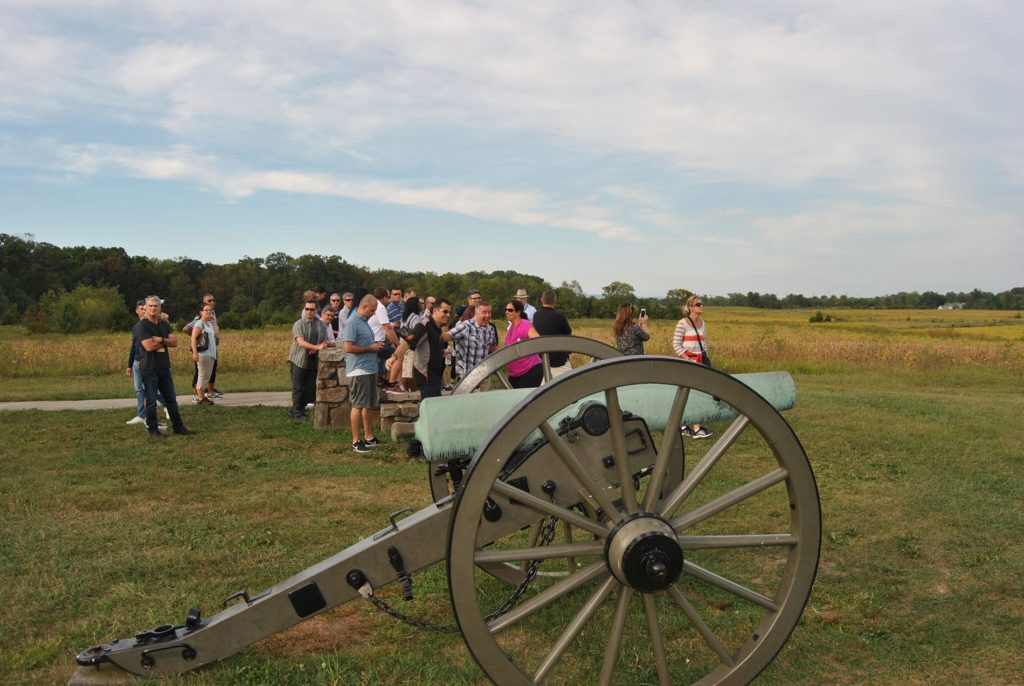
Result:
{"points": [[547, 534]]}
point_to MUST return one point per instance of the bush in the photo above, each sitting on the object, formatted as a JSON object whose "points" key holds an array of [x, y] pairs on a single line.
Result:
{"points": [[229, 320], [819, 317], [87, 308]]}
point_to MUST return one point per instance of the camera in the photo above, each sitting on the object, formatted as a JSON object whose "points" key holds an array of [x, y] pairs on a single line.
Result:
{"points": [[643, 311]]}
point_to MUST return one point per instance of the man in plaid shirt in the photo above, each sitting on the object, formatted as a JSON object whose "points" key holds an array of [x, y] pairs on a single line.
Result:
{"points": [[474, 339]]}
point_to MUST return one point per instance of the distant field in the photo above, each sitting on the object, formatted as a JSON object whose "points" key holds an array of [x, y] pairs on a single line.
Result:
{"points": [[53, 366]]}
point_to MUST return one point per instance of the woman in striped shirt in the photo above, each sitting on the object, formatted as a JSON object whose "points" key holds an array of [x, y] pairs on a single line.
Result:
{"points": [[690, 343]]}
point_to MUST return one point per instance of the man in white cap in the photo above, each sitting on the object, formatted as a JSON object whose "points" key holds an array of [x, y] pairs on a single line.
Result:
{"points": [[528, 309]]}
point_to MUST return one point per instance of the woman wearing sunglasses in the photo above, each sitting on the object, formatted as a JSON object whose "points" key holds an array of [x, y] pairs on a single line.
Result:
{"points": [[690, 343], [527, 372]]}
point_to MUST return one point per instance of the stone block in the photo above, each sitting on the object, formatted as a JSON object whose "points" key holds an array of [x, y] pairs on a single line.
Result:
{"points": [[410, 409], [333, 355], [338, 394], [389, 409], [322, 416], [386, 423]]}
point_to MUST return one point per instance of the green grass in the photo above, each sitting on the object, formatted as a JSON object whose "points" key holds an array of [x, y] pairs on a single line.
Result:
{"points": [[919, 458], [104, 533]]}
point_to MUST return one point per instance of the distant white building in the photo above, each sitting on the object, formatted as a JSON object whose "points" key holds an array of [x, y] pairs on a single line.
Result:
{"points": [[951, 306]]}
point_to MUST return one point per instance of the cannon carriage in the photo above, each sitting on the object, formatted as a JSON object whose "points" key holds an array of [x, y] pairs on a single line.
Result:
{"points": [[580, 523]]}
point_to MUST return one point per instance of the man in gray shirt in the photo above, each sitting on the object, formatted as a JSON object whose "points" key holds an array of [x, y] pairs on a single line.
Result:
{"points": [[308, 339]]}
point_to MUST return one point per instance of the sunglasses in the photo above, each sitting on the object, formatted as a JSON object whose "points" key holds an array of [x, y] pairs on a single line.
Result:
{"points": [[335, 300], [698, 304], [309, 309], [446, 312], [510, 309]]}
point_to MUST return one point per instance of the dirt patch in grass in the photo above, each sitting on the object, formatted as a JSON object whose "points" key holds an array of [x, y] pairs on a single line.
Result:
{"points": [[345, 628]]}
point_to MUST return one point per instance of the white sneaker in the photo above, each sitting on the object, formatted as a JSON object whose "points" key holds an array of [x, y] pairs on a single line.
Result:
{"points": [[309, 406], [136, 420]]}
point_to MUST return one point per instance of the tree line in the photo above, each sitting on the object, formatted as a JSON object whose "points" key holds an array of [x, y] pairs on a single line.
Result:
{"points": [[71, 289]]}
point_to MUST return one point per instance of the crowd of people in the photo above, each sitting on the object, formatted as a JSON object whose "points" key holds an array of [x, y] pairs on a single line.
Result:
{"points": [[392, 339]]}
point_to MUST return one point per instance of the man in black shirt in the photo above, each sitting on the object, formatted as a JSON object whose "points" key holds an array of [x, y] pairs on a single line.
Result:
{"points": [[434, 334], [155, 337], [549, 322]]}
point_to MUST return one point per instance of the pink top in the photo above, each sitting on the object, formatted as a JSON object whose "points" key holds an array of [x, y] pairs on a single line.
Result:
{"points": [[520, 332]]}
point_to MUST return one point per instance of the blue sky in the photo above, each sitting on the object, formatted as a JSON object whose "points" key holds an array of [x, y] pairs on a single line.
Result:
{"points": [[781, 147]]}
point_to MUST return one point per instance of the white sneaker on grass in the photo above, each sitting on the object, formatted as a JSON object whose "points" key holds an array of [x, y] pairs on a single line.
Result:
{"points": [[136, 420]]}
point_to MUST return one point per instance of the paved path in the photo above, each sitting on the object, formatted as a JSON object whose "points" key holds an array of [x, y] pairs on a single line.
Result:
{"points": [[276, 399]]}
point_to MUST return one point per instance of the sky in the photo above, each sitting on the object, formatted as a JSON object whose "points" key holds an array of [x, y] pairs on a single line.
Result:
{"points": [[781, 147]]}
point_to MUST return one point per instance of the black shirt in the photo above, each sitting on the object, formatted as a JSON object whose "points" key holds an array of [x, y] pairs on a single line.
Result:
{"points": [[550, 322], [435, 363], [155, 359]]}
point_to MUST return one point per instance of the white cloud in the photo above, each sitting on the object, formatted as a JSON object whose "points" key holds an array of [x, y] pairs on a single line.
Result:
{"points": [[761, 130]]}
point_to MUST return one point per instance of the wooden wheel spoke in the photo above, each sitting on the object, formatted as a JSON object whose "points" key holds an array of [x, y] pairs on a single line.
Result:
{"points": [[681, 492], [549, 595], [729, 586], [503, 378], [667, 448], [570, 561], [546, 362], [549, 508], [543, 552], [573, 629], [618, 435], [744, 541], [691, 613], [611, 652], [570, 460], [737, 495], [657, 641]]}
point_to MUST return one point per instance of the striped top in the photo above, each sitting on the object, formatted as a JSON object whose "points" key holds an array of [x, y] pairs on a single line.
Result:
{"points": [[685, 340]]}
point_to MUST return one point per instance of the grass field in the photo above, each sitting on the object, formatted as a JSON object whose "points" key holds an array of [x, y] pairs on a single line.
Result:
{"points": [[911, 421]]}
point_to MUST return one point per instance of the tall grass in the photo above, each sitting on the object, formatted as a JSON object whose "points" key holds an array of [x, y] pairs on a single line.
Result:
{"points": [[740, 339]]}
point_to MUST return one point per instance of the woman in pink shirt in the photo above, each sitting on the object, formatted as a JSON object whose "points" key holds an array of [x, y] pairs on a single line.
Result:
{"points": [[527, 372]]}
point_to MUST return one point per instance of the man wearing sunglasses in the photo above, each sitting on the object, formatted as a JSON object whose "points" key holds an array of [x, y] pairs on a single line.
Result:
{"points": [[308, 338], [429, 340], [155, 337]]}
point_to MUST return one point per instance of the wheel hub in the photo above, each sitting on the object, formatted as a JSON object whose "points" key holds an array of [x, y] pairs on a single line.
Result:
{"points": [[643, 552]]}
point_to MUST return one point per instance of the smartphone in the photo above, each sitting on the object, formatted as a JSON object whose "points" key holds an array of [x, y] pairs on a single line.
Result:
{"points": [[643, 311]]}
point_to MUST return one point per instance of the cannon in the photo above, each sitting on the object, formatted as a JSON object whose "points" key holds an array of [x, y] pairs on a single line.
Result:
{"points": [[580, 546]]}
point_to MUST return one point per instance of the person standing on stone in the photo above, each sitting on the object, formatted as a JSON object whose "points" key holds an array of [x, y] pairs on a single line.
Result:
{"points": [[347, 308], [155, 336], [361, 350], [547, 321], [336, 324], [308, 339]]}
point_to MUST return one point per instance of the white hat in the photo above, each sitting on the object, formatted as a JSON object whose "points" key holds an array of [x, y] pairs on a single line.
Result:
{"points": [[521, 293]]}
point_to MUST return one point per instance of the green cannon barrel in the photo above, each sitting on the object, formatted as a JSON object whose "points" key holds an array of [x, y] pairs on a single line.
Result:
{"points": [[455, 426]]}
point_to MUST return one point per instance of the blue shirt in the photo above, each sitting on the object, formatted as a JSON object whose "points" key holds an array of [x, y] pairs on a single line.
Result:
{"points": [[359, 332]]}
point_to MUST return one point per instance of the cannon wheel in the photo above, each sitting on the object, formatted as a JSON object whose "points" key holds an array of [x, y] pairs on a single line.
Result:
{"points": [[745, 522], [493, 367]]}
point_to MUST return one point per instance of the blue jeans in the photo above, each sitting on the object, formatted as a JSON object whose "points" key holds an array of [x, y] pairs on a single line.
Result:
{"points": [[140, 392], [159, 382]]}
